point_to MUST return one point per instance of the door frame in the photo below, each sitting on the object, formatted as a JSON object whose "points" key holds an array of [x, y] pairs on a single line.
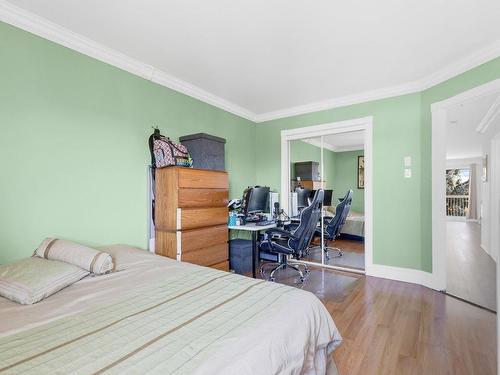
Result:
{"points": [[494, 176], [359, 124], [439, 111]]}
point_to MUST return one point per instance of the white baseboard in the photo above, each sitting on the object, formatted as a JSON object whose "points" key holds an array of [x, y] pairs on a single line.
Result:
{"points": [[455, 218], [473, 221], [487, 251], [407, 275]]}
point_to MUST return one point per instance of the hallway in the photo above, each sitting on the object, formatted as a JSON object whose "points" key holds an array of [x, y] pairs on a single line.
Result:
{"points": [[471, 272]]}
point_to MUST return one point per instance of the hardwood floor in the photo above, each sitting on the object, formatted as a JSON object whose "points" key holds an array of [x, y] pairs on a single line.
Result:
{"points": [[390, 327], [354, 253], [471, 272]]}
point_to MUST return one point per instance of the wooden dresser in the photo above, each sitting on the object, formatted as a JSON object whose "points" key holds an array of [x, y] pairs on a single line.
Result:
{"points": [[308, 184], [191, 216]]}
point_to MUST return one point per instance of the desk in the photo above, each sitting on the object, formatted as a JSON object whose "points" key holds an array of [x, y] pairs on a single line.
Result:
{"points": [[254, 229]]}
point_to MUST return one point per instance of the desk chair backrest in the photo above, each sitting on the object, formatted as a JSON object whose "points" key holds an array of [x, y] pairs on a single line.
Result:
{"points": [[309, 218], [341, 211]]}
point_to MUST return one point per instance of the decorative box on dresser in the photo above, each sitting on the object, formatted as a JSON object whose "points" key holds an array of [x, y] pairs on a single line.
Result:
{"points": [[191, 216]]}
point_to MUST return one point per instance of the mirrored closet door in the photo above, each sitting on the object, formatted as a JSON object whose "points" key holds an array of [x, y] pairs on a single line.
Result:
{"points": [[334, 163]]}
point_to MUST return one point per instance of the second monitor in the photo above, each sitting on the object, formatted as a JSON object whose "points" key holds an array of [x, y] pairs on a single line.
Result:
{"points": [[304, 197], [256, 200], [327, 197]]}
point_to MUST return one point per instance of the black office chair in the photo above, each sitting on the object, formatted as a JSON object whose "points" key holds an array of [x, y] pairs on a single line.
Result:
{"points": [[303, 198], [294, 242], [333, 226]]}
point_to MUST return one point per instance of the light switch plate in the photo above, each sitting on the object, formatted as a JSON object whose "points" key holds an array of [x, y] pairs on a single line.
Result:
{"points": [[407, 160], [407, 173]]}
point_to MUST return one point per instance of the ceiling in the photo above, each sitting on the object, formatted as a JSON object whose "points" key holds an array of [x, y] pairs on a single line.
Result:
{"points": [[463, 140], [341, 142], [265, 59]]}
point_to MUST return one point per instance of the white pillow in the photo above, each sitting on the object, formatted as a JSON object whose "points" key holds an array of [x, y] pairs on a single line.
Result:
{"points": [[92, 260], [31, 280]]}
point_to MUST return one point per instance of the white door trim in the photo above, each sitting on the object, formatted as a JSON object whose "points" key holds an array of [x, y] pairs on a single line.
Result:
{"points": [[439, 119], [494, 176], [365, 124]]}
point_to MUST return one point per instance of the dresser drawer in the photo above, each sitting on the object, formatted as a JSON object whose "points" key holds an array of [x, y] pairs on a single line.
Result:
{"points": [[207, 256], [191, 218], [223, 266], [202, 179], [200, 238], [189, 198]]}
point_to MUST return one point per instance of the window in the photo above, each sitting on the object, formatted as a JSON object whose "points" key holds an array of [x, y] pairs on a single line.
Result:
{"points": [[457, 192]]}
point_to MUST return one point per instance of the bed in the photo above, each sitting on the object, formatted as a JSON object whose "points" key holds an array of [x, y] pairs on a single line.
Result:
{"points": [[354, 227], [157, 315]]}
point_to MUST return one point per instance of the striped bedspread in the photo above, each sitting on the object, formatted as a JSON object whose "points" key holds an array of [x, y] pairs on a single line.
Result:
{"points": [[192, 321]]}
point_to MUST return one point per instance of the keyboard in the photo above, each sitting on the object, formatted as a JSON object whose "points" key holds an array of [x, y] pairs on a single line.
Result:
{"points": [[264, 223]]}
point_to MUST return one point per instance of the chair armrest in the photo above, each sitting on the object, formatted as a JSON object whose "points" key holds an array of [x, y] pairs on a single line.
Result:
{"points": [[279, 231]]}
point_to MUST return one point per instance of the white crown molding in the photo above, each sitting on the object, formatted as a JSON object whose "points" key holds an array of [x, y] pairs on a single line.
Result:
{"points": [[37, 25], [316, 143], [462, 65], [489, 117], [349, 148], [333, 148], [344, 101]]}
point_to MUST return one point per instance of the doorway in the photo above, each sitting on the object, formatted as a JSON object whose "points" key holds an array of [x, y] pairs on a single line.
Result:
{"points": [[464, 194], [337, 158]]}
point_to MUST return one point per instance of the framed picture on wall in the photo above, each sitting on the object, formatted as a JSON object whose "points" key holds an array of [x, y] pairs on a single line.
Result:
{"points": [[361, 172]]}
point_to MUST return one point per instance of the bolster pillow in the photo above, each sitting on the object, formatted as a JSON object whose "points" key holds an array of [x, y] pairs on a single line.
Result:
{"points": [[94, 261]]}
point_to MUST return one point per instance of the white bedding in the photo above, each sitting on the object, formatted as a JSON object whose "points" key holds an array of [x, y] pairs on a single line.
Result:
{"points": [[354, 224], [156, 315]]}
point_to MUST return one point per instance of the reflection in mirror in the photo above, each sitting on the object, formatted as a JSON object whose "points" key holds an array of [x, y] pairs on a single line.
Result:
{"points": [[344, 216], [305, 177], [338, 168]]}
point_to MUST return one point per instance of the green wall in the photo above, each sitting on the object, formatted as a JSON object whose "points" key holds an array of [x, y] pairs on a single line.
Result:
{"points": [[396, 134], [346, 177], [73, 152], [73, 145], [402, 127]]}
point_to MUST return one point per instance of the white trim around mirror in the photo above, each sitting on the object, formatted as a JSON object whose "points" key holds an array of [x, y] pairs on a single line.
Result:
{"points": [[364, 124]]}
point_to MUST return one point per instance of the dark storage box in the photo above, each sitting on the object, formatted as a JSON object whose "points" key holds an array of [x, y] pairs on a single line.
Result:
{"points": [[240, 255], [207, 151], [307, 170]]}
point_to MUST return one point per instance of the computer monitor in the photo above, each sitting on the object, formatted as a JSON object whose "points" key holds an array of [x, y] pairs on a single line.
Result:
{"points": [[302, 197], [327, 197], [256, 199]]}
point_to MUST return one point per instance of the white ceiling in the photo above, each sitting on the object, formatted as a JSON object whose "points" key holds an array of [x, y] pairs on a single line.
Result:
{"points": [[462, 138], [264, 59], [341, 142]]}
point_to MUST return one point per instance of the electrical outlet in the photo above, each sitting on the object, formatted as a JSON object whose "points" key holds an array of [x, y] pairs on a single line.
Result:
{"points": [[407, 173], [407, 161]]}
